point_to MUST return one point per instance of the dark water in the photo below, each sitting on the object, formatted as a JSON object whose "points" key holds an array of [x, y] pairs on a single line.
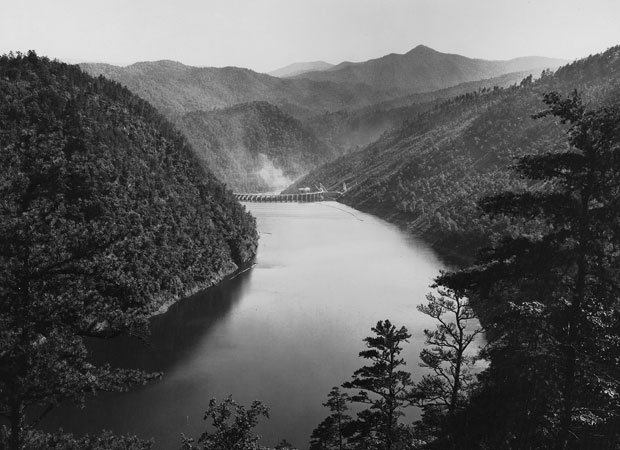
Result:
{"points": [[284, 332]]}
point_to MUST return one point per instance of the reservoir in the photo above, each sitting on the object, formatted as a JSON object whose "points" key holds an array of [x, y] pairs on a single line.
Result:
{"points": [[284, 332]]}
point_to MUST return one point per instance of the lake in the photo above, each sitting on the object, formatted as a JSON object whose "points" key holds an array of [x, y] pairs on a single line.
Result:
{"points": [[284, 332]]}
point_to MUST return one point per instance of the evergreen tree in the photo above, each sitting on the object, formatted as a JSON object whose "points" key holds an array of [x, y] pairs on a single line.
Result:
{"points": [[331, 433], [383, 386], [550, 295], [443, 392]]}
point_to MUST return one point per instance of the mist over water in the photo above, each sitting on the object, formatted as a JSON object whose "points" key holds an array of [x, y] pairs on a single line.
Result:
{"points": [[284, 332]]}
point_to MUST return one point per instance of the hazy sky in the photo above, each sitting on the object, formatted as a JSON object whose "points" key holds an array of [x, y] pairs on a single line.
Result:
{"points": [[267, 34]]}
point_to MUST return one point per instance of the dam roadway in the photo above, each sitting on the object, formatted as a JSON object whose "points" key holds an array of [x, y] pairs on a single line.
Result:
{"points": [[301, 197]]}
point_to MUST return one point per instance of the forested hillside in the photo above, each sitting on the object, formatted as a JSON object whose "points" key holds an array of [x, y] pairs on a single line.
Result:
{"points": [[261, 149], [176, 89], [347, 130], [428, 174], [298, 68], [87, 167], [254, 146]]}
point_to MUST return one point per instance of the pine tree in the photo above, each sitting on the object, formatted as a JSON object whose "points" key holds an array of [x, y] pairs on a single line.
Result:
{"points": [[444, 391], [383, 386], [549, 292], [331, 433]]}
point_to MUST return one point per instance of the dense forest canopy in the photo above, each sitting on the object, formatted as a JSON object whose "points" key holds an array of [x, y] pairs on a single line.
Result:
{"points": [[105, 215], [548, 296], [351, 129], [255, 147]]}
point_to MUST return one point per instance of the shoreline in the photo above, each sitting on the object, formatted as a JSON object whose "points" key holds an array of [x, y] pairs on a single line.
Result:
{"points": [[446, 253], [224, 275]]}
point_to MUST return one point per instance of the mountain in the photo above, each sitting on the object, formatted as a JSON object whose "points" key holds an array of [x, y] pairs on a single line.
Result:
{"points": [[254, 146], [301, 67], [100, 186], [187, 94], [176, 89], [427, 174], [348, 130], [423, 69]]}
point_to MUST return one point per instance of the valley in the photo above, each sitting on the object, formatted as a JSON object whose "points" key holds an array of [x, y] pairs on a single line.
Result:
{"points": [[259, 133], [376, 245], [428, 174]]}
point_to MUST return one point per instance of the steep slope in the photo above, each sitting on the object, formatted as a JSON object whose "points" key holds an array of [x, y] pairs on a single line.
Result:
{"points": [[423, 69], [298, 68], [176, 89], [107, 186], [347, 130], [254, 146], [428, 174]]}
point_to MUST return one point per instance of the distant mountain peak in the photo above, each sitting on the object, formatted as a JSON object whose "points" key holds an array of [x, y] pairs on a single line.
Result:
{"points": [[423, 69], [421, 49]]}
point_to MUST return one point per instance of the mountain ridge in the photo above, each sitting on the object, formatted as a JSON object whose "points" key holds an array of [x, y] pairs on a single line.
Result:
{"points": [[423, 69], [175, 88], [298, 68], [254, 146], [427, 174]]}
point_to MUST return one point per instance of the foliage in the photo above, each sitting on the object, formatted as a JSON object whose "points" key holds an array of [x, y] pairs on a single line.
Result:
{"points": [[550, 297], [333, 431], [232, 424], [105, 215], [283, 445], [349, 130], [428, 174], [255, 146], [382, 386], [37, 440], [176, 89], [444, 391]]}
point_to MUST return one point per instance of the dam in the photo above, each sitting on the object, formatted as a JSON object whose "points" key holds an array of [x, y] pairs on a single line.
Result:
{"points": [[302, 197]]}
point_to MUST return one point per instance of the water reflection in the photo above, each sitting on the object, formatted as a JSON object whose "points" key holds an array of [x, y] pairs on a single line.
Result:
{"points": [[176, 335], [284, 332], [154, 410]]}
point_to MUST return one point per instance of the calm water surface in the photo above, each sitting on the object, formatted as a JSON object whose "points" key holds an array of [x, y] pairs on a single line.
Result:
{"points": [[284, 332]]}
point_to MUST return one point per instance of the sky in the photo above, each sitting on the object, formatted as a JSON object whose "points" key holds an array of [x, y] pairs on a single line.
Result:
{"points": [[264, 35]]}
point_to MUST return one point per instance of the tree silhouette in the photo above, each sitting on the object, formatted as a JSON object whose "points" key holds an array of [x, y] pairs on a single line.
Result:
{"points": [[331, 433], [442, 392], [550, 295], [232, 425], [382, 385]]}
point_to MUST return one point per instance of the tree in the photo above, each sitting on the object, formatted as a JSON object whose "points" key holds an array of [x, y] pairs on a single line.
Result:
{"points": [[62, 255], [383, 386], [232, 424], [332, 431], [38, 440], [104, 214], [442, 392], [549, 291], [284, 445]]}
